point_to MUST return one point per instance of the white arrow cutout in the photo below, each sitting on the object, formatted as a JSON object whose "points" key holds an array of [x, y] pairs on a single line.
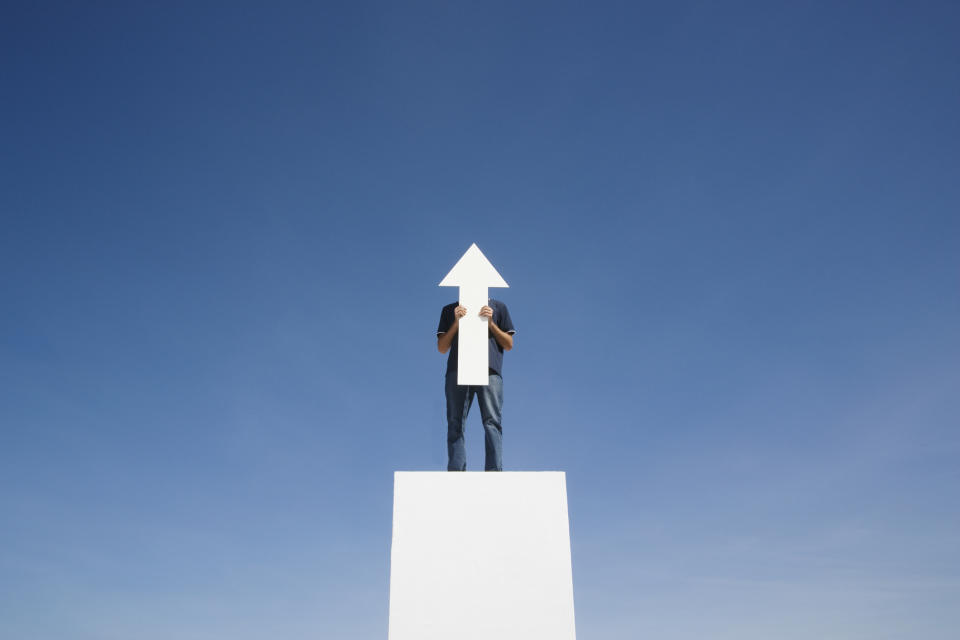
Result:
{"points": [[473, 273]]}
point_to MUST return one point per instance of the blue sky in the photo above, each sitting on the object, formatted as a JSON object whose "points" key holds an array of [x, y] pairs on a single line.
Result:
{"points": [[731, 234]]}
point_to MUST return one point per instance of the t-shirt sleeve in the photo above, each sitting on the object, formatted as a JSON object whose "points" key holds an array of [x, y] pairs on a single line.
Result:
{"points": [[446, 320], [506, 322]]}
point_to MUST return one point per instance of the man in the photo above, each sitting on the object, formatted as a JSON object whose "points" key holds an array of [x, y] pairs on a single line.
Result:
{"points": [[490, 397]]}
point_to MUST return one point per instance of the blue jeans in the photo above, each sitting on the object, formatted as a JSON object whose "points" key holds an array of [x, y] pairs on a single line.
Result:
{"points": [[459, 399]]}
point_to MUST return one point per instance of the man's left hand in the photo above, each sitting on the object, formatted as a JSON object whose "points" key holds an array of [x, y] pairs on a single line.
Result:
{"points": [[487, 312]]}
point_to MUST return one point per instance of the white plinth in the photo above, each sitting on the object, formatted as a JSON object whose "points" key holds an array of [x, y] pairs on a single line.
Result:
{"points": [[481, 555]]}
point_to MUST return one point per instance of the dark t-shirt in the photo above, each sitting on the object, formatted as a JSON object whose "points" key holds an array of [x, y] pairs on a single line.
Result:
{"points": [[501, 318]]}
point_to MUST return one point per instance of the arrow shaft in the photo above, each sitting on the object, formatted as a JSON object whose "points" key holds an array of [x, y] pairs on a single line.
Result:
{"points": [[472, 340]]}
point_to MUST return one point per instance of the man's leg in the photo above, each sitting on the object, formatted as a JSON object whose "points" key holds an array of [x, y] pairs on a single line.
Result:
{"points": [[490, 399], [459, 399]]}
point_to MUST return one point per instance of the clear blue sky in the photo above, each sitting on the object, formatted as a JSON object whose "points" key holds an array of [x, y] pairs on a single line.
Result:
{"points": [[731, 233]]}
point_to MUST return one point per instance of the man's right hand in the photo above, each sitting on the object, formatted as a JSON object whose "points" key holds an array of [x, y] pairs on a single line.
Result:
{"points": [[444, 340]]}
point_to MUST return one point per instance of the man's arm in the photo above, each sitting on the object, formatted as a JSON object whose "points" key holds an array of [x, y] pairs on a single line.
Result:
{"points": [[503, 338], [444, 340]]}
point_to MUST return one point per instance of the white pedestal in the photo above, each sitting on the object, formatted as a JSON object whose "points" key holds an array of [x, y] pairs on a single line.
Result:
{"points": [[479, 556]]}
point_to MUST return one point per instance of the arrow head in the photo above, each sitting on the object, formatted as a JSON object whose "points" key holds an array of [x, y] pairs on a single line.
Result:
{"points": [[473, 268]]}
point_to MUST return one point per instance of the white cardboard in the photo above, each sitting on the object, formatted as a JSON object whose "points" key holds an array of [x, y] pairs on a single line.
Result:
{"points": [[481, 555], [473, 273]]}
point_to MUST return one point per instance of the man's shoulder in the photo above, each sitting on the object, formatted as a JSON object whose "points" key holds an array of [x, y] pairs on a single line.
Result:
{"points": [[494, 303]]}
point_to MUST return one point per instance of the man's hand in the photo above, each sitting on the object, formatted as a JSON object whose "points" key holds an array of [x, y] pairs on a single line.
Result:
{"points": [[503, 338], [487, 312], [444, 341]]}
